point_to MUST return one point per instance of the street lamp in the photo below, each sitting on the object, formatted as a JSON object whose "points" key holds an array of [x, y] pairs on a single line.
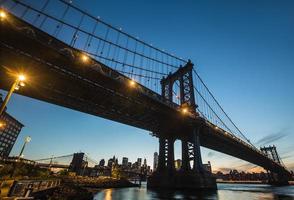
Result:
{"points": [[19, 81], [132, 83], [85, 58], [184, 110], [2, 125], [2, 15], [27, 140]]}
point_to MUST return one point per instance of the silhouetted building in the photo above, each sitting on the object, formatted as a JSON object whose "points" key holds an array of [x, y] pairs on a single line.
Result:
{"points": [[155, 161], [129, 165], [102, 163], [9, 131], [125, 161], [78, 164], [110, 162], [145, 163], [139, 162], [234, 175], [135, 165], [207, 166]]}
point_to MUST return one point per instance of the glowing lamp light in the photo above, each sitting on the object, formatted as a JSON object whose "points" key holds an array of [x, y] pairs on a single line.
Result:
{"points": [[22, 84], [85, 58], [184, 110], [28, 139], [2, 14], [216, 128], [21, 77], [132, 83], [2, 125]]}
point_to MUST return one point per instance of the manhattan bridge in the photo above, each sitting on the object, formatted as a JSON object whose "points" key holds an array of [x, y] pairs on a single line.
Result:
{"points": [[78, 61]]}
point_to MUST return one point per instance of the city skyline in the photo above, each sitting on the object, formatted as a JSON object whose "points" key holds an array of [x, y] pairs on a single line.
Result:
{"points": [[50, 125]]}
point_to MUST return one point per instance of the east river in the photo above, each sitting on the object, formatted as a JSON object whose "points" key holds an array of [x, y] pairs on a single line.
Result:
{"points": [[224, 192]]}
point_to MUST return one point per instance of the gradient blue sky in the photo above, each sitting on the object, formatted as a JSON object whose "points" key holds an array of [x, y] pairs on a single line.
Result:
{"points": [[244, 50]]}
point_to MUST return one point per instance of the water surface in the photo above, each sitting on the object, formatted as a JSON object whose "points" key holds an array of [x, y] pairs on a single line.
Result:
{"points": [[224, 192]]}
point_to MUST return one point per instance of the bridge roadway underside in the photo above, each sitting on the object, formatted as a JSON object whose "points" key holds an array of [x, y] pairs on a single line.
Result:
{"points": [[55, 78]]}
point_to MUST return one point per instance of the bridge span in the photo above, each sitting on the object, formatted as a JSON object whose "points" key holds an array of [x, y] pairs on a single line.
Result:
{"points": [[62, 74]]}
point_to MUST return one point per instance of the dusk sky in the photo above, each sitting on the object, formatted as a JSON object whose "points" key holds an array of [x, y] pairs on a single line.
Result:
{"points": [[244, 51]]}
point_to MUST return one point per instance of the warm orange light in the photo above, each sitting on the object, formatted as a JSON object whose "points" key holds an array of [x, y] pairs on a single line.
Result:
{"points": [[85, 58], [2, 125], [21, 77], [2, 14], [184, 110], [132, 83], [22, 84], [216, 128]]}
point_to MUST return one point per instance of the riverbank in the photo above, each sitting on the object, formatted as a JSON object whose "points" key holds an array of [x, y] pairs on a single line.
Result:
{"points": [[240, 182], [82, 188], [247, 182], [99, 182]]}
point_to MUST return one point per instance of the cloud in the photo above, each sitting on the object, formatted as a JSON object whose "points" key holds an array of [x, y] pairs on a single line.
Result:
{"points": [[224, 169], [247, 165], [286, 157], [273, 137]]}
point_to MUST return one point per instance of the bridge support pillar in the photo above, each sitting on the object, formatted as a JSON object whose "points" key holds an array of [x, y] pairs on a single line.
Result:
{"points": [[278, 179], [185, 156], [161, 156], [171, 156], [186, 178], [197, 165]]}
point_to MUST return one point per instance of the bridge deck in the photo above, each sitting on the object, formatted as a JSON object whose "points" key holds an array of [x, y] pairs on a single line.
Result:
{"points": [[57, 75]]}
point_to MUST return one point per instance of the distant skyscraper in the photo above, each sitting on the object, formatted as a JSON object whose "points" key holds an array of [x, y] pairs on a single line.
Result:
{"points": [[129, 165], [155, 161], [9, 131], [139, 161], [78, 163], [207, 166], [125, 161], [110, 162], [145, 162], [102, 163]]}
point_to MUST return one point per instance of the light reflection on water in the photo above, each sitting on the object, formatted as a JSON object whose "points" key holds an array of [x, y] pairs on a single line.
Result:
{"points": [[224, 192]]}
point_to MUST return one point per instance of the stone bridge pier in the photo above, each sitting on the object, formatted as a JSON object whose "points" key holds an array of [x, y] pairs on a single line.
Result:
{"points": [[188, 177]]}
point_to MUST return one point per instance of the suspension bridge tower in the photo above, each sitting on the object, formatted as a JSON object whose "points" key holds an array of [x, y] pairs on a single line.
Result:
{"points": [[192, 175]]}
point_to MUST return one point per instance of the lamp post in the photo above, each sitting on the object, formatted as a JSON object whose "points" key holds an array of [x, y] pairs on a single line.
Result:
{"points": [[17, 83], [27, 140]]}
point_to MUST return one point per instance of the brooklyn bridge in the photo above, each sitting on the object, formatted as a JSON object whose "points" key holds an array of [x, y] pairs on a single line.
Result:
{"points": [[78, 61]]}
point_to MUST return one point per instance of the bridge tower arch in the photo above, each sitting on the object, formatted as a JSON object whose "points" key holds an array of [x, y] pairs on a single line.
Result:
{"points": [[184, 77], [191, 174], [278, 177]]}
